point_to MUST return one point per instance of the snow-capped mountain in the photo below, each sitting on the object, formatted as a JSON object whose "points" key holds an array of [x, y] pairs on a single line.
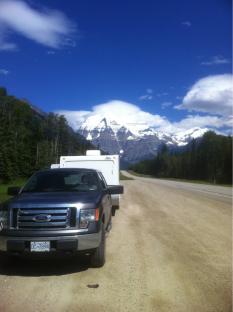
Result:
{"points": [[134, 141]]}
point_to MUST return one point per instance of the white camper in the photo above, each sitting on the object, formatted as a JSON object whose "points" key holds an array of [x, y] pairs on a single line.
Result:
{"points": [[55, 166], [107, 164]]}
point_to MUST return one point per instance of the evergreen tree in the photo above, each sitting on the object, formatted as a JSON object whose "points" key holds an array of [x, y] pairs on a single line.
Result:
{"points": [[30, 141], [208, 158]]}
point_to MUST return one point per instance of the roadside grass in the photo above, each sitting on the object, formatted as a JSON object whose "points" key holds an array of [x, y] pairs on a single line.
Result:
{"points": [[178, 180], [4, 187], [123, 177]]}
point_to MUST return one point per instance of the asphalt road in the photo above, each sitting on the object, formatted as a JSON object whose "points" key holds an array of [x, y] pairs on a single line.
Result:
{"points": [[169, 250]]}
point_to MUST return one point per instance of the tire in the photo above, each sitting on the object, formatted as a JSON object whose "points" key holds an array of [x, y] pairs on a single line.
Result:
{"points": [[113, 211], [109, 227], [98, 257]]}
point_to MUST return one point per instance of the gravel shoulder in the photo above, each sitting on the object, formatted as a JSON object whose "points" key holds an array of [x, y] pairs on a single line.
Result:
{"points": [[170, 249]]}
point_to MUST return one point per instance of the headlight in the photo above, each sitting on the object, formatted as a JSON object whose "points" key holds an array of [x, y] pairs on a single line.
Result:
{"points": [[87, 216], [3, 219]]}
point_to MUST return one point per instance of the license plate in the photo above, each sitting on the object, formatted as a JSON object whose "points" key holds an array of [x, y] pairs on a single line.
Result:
{"points": [[40, 246]]}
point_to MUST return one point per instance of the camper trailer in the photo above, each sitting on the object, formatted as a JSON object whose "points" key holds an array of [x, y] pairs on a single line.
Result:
{"points": [[107, 164]]}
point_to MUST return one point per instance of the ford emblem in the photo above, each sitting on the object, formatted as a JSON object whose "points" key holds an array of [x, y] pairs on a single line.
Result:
{"points": [[42, 218]]}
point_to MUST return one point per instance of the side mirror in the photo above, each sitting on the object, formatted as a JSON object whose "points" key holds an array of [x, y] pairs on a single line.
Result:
{"points": [[13, 190], [115, 189]]}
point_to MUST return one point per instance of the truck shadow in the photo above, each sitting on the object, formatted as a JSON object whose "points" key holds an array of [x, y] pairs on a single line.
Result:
{"points": [[46, 266]]}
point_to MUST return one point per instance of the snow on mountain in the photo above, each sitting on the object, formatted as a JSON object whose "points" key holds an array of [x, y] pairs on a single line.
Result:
{"points": [[99, 123], [182, 138], [137, 140]]}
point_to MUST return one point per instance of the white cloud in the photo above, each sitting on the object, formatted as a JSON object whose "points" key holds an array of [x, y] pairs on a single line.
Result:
{"points": [[4, 72], [47, 27], [186, 23], [50, 52], [132, 116], [192, 121], [216, 60], [147, 96], [166, 104], [215, 123], [213, 95], [119, 111], [162, 94], [6, 46]]}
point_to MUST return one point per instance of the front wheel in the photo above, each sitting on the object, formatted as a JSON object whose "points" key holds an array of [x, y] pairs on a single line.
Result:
{"points": [[113, 211], [98, 257], [114, 208]]}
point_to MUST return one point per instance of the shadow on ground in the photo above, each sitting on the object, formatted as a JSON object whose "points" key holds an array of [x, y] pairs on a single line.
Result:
{"points": [[45, 266]]}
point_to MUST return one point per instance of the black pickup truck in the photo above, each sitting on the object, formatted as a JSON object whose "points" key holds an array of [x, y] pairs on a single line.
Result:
{"points": [[58, 210]]}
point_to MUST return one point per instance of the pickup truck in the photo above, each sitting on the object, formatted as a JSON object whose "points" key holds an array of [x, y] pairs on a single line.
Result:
{"points": [[58, 211]]}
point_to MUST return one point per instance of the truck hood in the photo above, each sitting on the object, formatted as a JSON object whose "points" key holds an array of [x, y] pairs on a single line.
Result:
{"points": [[55, 199]]}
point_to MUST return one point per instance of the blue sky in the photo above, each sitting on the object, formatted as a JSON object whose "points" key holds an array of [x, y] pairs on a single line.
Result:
{"points": [[76, 54]]}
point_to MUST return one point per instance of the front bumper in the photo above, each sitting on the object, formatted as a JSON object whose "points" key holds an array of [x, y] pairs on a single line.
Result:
{"points": [[58, 243]]}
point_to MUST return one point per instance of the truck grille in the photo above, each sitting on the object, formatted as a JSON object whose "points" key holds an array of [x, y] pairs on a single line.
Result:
{"points": [[47, 218]]}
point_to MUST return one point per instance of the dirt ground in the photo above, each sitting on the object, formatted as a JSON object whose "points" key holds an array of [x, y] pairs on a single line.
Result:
{"points": [[169, 250]]}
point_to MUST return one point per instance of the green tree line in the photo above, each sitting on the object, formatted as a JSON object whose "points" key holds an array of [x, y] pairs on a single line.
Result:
{"points": [[30, 140], [208, 159]]}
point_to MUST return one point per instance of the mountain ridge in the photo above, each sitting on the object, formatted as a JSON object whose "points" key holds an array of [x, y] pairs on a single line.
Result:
{"points": [[134, 141]]}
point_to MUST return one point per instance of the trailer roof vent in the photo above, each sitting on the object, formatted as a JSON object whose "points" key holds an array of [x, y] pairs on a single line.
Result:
{"points": [[93, 153]]}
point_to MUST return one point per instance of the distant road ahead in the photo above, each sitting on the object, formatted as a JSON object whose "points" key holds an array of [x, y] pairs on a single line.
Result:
{"points": [[212, 190]]}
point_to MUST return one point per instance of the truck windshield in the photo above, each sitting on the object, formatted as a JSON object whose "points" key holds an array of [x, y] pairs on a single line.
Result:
{"points": [[63, 181]]}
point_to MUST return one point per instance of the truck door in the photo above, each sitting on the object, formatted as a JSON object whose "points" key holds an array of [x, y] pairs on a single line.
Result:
{"points": [[107, 199]]}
